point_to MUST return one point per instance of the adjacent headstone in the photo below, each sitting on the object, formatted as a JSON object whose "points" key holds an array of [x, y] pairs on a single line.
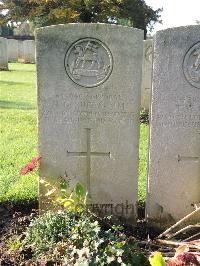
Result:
{"points": [[29, 51], [174, 164], [89, 80], [12, 50], [147, 74], [3, 54]]}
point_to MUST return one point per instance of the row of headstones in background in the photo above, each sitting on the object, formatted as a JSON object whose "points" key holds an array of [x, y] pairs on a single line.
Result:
{"points": [[17, 50], [3, 54], [26, 51], [22, 51]]}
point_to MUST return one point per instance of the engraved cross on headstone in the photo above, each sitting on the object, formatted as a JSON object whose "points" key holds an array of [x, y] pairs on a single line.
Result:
{"points": [[88, 154], [189, 158], [194, 159]]}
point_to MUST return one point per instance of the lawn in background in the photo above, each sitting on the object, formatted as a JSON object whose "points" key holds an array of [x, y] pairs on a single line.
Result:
{"points": [[18, 129], [18, 132]]}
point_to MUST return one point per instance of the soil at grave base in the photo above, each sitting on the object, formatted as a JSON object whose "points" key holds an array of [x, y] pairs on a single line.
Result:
{"points": [[15, 218]]}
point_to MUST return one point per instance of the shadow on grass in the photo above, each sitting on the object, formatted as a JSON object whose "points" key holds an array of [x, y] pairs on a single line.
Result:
{"points": [[14, 83], [16, 105], [22, 69]]}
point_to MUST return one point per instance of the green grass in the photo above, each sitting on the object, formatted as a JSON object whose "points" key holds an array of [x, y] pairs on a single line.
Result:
{"points": [[144, 131], [18, 132], [18, 129]]}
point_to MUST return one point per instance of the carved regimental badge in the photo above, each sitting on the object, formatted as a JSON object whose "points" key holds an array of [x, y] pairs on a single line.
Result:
{"points": [[191, 65], [88, 62]]}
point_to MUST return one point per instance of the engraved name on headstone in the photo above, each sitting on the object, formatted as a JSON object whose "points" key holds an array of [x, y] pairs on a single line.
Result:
{"points": [[174, 164], [89, 79]]}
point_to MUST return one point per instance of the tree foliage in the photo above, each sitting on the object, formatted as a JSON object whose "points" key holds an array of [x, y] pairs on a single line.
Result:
{"points": [[24, 29], [135, 13], [6, 30]]}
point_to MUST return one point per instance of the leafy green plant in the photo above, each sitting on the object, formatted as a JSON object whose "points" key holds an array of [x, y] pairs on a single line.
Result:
{"points": [[144, 117], [75, 199], [73, 235], [48, 230], [78, 238], [14, 243], [157, 259], [64, 196]]}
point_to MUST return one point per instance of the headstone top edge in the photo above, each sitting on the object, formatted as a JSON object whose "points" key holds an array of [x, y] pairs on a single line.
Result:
{"points": [[28, 40], [89, 25], [178, 29], [148, 41]]}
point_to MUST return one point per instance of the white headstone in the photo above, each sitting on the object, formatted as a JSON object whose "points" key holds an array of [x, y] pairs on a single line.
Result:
{"points": [[3, 54], [89, 80], [174, 164], [12, 50], [147, 74], [29, 51], [20, 51]]}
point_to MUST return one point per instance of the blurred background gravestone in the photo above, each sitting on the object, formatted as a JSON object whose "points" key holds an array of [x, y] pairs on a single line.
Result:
{"points": [[28, 51], [21, 51], [3, 54], [12, 50]]}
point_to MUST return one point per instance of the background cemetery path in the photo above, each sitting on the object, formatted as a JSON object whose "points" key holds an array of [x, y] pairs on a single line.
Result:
{"points": [[18, 130]]}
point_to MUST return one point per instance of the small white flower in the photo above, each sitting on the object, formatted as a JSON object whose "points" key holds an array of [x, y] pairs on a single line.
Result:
{"points": [[119, 260], [85, 243], [110, 259]]}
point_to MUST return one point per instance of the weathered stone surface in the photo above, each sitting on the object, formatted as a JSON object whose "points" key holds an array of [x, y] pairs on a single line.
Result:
{"points": [[174, 164], [28, 51], [12, 50], [147, 74], [3, 54], [89, 80]]}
